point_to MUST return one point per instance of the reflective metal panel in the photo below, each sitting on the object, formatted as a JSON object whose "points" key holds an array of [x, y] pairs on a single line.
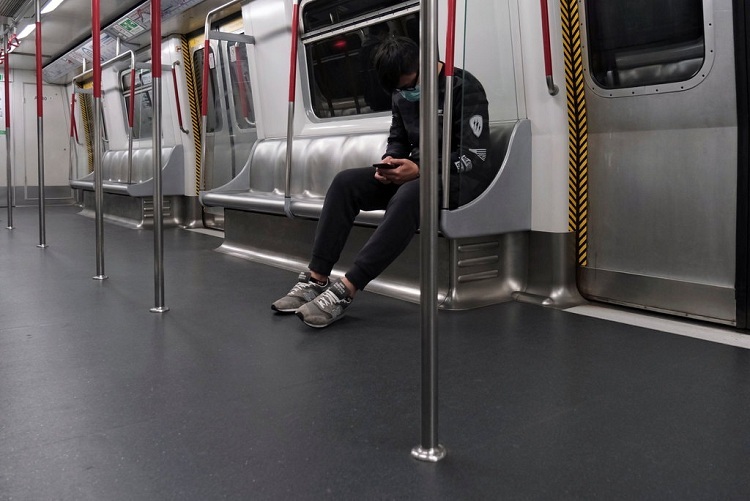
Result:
{"points": [[662, 190]]}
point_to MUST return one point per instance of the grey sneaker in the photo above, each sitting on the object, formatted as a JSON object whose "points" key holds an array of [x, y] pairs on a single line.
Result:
{"points": [[303, 292], [326, 308]]}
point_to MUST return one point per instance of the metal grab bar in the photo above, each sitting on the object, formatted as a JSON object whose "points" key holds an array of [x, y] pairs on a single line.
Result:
{"points": [[290, 117], [131, 119], [551, 87], [156, 72], [89, 73], [429, 448], [40, 128], [73, 127], [449, 65], [204, 87], [98, 182], [177, 98], [8, 164]]}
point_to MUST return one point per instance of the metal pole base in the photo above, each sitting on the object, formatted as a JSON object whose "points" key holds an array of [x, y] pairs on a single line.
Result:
{"points": [[428, 455], [100, 277], [9, 227], [159, 309], [42, 246]]}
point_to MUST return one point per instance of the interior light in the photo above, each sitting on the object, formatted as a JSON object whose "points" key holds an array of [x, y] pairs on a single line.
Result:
{"points": [[27, 31], [52, 5]]}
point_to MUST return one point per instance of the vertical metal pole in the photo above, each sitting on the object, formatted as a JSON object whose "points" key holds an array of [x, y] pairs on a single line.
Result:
{"points": [[131, 119], [450, 44], [204, 107], [290, 112], [40, 126], [429, 449], [158, 202], [98, 182], [9, 167]]}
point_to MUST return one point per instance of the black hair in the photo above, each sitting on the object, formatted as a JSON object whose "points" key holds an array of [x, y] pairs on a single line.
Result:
{"points": [[395, 57]]}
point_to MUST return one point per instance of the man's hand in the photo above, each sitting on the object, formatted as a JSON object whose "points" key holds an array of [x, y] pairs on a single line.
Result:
{"points": [[405, 171]]}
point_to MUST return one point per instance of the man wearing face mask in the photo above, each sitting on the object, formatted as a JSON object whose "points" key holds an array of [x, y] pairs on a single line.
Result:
{"points": [[393, 186]]}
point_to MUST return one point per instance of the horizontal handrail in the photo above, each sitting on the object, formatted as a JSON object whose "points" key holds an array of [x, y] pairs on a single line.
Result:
{"points": [[120, 57], [231, 37]]}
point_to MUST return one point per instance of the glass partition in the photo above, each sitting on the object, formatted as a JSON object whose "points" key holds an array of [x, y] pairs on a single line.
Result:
{"points": [[242, 102], [143, 107], [214, 103], [487, 104]]}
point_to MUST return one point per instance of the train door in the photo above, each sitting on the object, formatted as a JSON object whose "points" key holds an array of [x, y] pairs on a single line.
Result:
{"points": [[231, 131], [56, 145], [662, 157], [742, 50]]}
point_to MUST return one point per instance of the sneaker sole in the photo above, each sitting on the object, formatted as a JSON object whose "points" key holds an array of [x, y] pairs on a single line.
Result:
{"points": [[284, 310], [314, 326]]}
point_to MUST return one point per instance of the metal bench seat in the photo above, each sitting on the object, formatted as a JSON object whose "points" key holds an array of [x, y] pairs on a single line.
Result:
{"points": [[505, 206], [117, 178]]}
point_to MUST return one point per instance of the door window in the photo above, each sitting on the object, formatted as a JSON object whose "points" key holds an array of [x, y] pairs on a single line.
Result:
{"points": [[646, 43]]}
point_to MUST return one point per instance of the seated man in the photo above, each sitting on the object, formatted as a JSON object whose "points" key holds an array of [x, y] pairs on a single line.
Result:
{"points": [[393, 185]]}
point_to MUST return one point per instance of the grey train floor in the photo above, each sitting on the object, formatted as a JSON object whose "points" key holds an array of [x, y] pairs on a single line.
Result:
{"points": [[221, 399]]}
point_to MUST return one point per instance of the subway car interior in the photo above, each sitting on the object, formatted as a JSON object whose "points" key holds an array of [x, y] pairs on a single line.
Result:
{"points": [[569, 320]]}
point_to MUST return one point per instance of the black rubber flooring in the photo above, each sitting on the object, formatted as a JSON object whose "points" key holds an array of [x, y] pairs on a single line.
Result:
{"points": [[219, 398]]}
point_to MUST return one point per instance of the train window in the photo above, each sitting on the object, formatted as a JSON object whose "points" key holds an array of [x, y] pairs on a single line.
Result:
{"points": [[214, 103], [339, 57], [240, 75], [326, 13], [636, 43], [143, 106]]}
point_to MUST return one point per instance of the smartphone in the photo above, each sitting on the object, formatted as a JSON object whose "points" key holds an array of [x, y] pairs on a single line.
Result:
{"points": [[384, 166]]}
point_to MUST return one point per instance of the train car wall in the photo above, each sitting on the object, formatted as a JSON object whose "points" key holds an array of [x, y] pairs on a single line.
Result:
{"points": [[24, 140]]}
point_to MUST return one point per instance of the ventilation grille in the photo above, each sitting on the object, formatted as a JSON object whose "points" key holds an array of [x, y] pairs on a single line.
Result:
{"points": [[10, 8]]}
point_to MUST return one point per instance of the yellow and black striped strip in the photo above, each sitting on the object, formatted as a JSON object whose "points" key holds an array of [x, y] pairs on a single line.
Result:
{"points": [[577, 129], [86, 117], [195, 119]]}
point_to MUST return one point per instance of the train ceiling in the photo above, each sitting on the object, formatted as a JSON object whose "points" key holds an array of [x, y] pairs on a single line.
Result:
{"points": [[9, 8], [66, 32]]}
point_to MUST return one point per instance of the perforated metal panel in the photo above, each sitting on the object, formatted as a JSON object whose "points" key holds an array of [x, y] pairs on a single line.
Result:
{"points": [[10, 8]]}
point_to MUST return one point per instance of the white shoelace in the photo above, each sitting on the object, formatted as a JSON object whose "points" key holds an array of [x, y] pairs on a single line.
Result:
{"points": [[328, 298]]}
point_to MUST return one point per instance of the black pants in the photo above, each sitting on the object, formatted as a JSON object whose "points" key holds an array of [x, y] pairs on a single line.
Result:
{"points": [[353, 190]]}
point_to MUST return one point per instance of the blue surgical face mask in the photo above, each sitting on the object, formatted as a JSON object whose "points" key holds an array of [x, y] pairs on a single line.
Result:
{"points": [[411, 95]]}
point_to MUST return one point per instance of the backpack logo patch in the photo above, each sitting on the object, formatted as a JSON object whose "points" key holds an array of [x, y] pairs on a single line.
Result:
{"points": [[477, 124]]}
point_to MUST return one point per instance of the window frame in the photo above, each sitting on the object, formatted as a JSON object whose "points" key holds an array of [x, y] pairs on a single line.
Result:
{"points": [[125, 93], [403, 9], [641, 90]]}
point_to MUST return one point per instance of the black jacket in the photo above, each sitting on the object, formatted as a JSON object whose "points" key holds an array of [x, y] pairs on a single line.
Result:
{"points": [[471, 167]]}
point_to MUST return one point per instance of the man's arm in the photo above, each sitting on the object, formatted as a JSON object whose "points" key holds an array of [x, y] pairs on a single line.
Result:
{"points": [[471, 127], [398, 140]]}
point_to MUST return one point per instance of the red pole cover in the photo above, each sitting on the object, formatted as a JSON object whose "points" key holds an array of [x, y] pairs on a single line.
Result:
{"points": [[39, 91], [177, 97], [546, 39], [450, 39], [156, 38], [7, 89], [96, 33], [73, 115], [293, 62], [131, 104], [204, 93]]}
